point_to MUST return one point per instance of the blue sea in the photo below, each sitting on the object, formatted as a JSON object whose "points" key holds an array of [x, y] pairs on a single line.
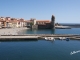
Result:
{"points": [[42, 49]]}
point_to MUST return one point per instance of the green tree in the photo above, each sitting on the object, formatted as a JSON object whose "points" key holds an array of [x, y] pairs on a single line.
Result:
{"points": [[31, 23]]}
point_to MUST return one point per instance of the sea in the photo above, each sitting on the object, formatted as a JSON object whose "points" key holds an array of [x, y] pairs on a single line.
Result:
{"points": [[42, 49]]}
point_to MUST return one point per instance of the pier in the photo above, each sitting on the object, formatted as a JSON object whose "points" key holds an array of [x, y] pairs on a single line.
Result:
{"points": [[37, 36]]}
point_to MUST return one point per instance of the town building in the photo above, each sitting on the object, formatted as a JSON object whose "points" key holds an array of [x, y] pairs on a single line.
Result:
{"points": [[8, 22], [43, 24]]}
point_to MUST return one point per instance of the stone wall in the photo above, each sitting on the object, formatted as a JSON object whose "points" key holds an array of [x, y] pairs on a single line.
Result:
{"points": [[34, 26], [47, 26]]}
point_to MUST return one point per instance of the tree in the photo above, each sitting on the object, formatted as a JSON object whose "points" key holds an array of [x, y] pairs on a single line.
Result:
{"points": [[31, 23]]}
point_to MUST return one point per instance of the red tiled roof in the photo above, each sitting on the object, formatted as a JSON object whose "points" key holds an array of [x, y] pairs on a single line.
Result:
{"points": [[28, 21], [13, 21], [43, 20], [7, 20], [25, 21]]}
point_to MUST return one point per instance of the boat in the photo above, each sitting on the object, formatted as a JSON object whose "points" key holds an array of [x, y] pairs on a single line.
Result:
{"points": [[46, 38], [67, 39], [62, 38], [49, 38]]}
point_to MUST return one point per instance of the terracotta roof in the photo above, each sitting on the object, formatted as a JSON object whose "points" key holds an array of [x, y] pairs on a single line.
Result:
{"points": [[25, 20], [28, 21], [21, 20], [48, 22], [43, 20], [7, 20], [13, 21]]}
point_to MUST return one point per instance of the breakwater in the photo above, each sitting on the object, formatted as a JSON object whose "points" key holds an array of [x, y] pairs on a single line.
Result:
{"points": [[37, 36], [72, 25]]}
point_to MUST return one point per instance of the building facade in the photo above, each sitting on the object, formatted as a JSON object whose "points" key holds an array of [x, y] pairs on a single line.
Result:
{"points": [[6, 22]]}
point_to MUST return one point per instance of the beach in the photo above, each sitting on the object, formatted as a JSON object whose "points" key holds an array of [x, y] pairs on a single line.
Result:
{"points": [[11, 31]]}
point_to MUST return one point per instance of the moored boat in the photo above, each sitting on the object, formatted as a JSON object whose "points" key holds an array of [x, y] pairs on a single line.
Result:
{"points": [[50, 38], [67, 39]]}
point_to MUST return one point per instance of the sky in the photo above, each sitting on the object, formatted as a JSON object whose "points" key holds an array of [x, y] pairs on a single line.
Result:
{"points": [[65, 11]]}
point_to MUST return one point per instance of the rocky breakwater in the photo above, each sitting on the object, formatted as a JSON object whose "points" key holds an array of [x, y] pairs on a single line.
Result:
{"points": [[11, 31]]}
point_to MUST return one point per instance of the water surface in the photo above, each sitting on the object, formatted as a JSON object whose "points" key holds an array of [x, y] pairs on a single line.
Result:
{"points": [[41, 49]]}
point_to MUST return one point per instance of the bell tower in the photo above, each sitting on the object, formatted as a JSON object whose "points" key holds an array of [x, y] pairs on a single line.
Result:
{"points": [[53, 22]]}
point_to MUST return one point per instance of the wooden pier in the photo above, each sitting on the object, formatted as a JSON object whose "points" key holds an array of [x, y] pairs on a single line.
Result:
{"points": [[37, 36]]}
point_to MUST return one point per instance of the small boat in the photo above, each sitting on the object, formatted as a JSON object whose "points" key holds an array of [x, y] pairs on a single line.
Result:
{"points": [[46, 38], [67, 39], [49, 38], [62, 38]]}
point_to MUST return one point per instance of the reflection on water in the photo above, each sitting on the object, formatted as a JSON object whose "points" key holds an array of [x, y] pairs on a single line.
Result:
{"points": [[40, 31], [51, 31]]}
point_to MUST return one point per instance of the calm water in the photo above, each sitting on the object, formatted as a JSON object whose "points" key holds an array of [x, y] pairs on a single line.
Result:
{"points": [[41, 49], [57, 31]]}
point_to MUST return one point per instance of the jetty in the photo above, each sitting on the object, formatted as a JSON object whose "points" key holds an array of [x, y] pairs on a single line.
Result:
{"points": [[37, 36], [62, 27]]}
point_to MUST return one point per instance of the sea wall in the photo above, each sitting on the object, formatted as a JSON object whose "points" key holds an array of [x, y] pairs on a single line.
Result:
{"points": [[47, 26]]}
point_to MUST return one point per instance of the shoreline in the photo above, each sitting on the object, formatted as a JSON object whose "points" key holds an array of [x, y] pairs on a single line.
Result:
{"points": [[12, 31]]}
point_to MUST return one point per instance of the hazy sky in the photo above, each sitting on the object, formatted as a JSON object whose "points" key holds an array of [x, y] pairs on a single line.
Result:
{"points": [[65, 11]]}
